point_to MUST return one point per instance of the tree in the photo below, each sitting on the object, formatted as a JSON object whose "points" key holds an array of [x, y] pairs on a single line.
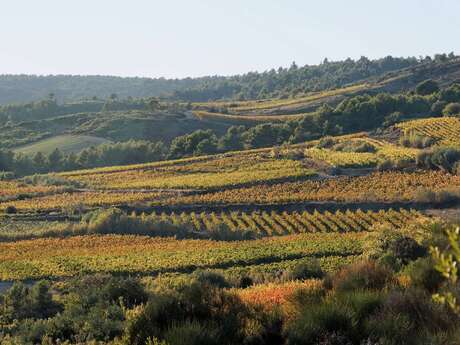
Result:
{"points": [[427, 87], [233, 139], [40, 162], [55, 159], [153, 104]]}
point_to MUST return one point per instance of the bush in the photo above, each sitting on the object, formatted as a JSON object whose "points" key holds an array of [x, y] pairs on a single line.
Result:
{"points": [[211, 278], [424, 275], [191, 333], [442, 197], [222, 232], [452, 109], [443, 158], [51, 180], [6, 176], [407, 249], [362, 275], [303, 270], [357, 146], [326, 143], [11, 210], [419, 308], [317, 322], [386, 165], [416, 141], [393, 119]]}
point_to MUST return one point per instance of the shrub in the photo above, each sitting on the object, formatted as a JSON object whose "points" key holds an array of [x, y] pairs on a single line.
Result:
{"points": [[211, 278], [416, 140], [362, 275], [386, 165], [317, 322], [392, 119], [406, 249], [191, 333], [6, 176], [442, 197], [11, 210], [452, 109], [222, 232], [326, 143], [424, 275], [51, 180], [303, 270], [418, 307], [356, 146]]}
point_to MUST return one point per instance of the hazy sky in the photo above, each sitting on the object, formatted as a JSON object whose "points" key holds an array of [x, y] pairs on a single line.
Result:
{"points": [[179, 38]]}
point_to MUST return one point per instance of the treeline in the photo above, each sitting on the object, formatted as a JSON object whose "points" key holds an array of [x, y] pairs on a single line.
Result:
{"points": [[28, 88], [49, 107], [287, 82], [123, 153], [282, 82]]}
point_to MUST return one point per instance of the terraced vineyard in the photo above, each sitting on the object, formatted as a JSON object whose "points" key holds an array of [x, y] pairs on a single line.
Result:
{"points": [[376, 187], [39, 258], [383, 151], [445, 130], [270, 104], [285, 223], [245, 119]]}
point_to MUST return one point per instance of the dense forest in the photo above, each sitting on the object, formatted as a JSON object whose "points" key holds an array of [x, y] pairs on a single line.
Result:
{"points": [[273, 83]]}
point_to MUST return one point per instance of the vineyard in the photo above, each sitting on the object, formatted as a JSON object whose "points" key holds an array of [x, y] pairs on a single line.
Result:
{"points": [[217, 173], [245, 119], [383, 151], [270, 104], [39, 258], [445, 130], [13, 190], [286, 223], [376, 187], [75, 200]]}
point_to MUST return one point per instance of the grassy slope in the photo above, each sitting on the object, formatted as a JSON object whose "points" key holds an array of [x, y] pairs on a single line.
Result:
{"points": [[66, 143]]}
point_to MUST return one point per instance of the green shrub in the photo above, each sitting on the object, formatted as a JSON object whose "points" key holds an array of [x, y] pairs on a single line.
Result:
{"points": [[393, 119], [417, 141], [11, 210], [51, 180], [211, 278], [303, 270], [362, 275], [191, 333], [326, 143], [6, 176], [355, 146], [423, 274], [407, 249], [452, 109], [222, 232], [441, 197], [318, 321]]}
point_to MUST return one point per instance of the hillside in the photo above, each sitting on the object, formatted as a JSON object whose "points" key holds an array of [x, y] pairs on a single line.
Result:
{"points": [[259, 218], [287, 81], [260, 227]]}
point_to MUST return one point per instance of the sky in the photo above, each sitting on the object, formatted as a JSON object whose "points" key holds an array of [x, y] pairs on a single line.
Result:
{"points": [[190, 38]]}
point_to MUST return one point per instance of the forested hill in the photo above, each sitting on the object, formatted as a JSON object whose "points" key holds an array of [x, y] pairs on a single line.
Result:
{"points": [[274, 83]]}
